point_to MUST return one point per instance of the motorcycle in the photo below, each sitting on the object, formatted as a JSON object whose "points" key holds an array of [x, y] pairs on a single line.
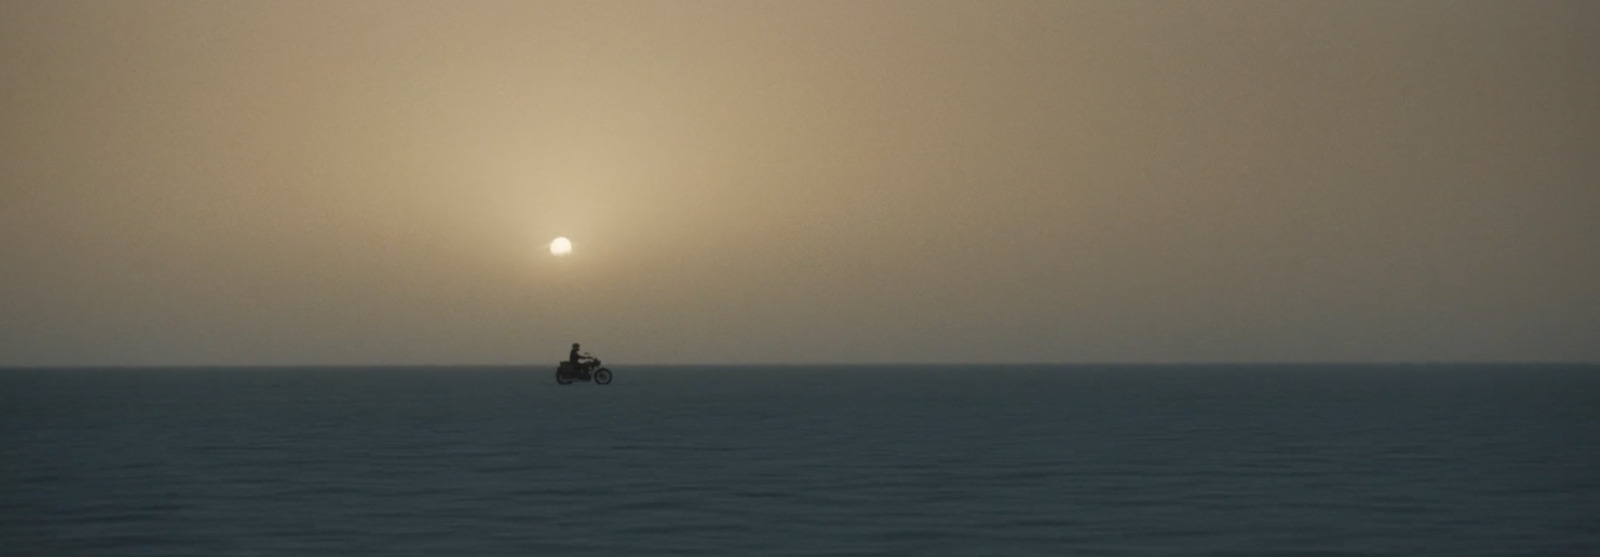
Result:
{"points": [[587, 370]]}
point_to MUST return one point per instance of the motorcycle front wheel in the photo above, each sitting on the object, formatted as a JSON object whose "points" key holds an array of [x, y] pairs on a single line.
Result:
{"points": [[602, 376]]}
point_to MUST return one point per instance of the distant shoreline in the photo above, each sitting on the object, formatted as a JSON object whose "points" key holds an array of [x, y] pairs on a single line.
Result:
{"points": [[790, 366]]}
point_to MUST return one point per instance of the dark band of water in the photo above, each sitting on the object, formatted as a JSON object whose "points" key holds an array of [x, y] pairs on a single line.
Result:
{"points": [[942, 460]]}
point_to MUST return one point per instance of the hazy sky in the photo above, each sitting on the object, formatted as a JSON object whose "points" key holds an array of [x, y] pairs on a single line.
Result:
{"points": [[347, 182]]}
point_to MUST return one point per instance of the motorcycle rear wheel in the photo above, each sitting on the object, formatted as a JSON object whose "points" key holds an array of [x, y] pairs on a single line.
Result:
{"points": [[562, 378], [602, 376]]}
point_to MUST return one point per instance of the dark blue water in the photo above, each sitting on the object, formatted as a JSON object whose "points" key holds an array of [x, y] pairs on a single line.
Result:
{"points": [[1116, 460]]}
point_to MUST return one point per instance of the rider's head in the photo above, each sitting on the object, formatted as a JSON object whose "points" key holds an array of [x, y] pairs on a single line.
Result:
{"points": [[574, 345]]}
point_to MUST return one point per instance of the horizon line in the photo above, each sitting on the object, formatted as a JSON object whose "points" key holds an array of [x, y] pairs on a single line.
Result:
{"points": [[10, 367]]}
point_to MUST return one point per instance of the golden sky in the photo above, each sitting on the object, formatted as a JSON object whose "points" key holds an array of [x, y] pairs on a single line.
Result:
{"points": [[218, 182]]}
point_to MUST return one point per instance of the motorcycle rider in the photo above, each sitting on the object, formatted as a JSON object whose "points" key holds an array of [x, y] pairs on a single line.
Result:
{"points": [[581, 367], [576, 358]]}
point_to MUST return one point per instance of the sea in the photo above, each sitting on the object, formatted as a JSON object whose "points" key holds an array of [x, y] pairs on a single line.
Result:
{"points": [[953, 460]]}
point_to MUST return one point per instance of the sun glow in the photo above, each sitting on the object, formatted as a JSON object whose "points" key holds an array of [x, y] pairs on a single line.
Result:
{"points": [[560, 246]]}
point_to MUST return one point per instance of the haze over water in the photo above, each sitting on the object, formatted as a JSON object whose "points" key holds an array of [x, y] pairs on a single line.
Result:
{"points": [[938, 186], [376, 182]]}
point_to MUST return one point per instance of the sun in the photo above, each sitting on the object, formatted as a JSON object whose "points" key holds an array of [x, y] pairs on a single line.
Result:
{"points": [[560, 246]]}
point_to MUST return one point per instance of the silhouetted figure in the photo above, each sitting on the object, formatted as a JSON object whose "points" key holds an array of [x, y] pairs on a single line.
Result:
{"points": [[575, 358], [581, 367]]}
